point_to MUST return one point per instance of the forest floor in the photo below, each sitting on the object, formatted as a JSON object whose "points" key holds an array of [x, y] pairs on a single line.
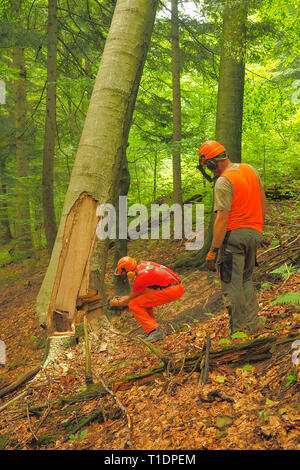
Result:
{"points": [[251, 405]]}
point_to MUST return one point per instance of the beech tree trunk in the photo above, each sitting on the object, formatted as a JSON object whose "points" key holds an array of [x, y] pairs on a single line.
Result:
{"points": [[121, 244], [97, 168], [231, 79], [230, 101], [177, 190], [50, 130]]}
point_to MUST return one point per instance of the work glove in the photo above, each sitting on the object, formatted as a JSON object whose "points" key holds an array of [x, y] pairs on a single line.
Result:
{"points": [[211, 259], [119, 302]]}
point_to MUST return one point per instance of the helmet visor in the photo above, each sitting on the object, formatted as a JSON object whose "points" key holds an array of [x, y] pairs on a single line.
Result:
{"points": [[211, 163]]}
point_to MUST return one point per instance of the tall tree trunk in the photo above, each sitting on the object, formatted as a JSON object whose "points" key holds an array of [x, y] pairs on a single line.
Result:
{"points": [[231, 79], [121, 244], [23, 229], [230, 101], [97, 168], [50, 129], [177, 190], [5, 233]]}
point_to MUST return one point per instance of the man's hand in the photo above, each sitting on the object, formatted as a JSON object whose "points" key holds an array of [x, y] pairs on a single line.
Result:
{"points": [[211, 259], [119, 302]]}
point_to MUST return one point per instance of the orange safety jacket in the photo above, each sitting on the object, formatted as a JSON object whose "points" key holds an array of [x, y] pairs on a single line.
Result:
{"points": [[246, 210], [165, 287], [153, 275]]}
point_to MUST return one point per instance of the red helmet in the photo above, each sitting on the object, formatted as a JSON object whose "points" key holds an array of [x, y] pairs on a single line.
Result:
{"points": [[210, 149], [126, 263]]}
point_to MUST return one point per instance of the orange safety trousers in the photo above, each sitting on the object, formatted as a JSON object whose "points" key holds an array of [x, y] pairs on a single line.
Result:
{"points": [[142, 306]]}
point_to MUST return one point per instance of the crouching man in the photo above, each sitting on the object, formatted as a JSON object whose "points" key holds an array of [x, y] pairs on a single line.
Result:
{"points": [[153, 285]]}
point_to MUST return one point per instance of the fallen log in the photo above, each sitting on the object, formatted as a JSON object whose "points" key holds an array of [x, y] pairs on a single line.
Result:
{"points": [[247, 352], [20, 381]]}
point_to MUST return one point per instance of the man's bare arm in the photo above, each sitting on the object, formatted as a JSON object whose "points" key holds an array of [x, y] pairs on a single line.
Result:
{"points": [[220, 228]]}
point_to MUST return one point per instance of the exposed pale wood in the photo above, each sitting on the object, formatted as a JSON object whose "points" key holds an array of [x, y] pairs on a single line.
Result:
{"points": [[72, 277]]}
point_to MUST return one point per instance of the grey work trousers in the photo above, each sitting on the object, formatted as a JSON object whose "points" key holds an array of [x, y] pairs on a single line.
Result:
{"points": [[236, 263]]}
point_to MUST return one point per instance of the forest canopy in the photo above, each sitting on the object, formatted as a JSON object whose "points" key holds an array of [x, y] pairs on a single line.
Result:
{"points": [[270, 102]]}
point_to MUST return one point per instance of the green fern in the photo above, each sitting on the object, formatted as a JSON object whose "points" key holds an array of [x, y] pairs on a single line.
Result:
{"points": [[285, 271], [288, 298]]}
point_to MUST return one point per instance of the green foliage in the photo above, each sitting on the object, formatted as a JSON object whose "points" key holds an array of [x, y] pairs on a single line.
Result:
{"points": [[288, 298], [82, 435], [291, 378], [285, 271], [223, 341], [238, 335], [247, 367], [271, 98], [264, 416], [266, 285], [221, 379]]}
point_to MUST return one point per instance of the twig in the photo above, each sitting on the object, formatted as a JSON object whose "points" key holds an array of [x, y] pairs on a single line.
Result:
{"points": [[122, 407], [194, 369], [277, 246], [88, 362], [20, 381], [29, 422], [155, 351], [206, 363], [12, 401], [289, 274]]}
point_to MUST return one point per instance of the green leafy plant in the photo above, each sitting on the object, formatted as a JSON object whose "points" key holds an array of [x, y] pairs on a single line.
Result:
{"points": [[285, 271], [238, 335], [221, 379], [266, 285], [223, 341], [247, 367], [264, 416], [291, 378], [288, 298], [82, 435]]}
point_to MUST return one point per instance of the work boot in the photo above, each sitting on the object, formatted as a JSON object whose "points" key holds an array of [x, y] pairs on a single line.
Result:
{"points": [[155, 335]]}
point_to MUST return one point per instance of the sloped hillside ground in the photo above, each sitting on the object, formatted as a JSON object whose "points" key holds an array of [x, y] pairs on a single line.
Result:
{"points": [[253, 405]]}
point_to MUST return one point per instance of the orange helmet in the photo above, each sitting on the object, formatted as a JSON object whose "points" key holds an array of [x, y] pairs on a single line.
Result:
{"points": [[210, 149], [126, 264]]}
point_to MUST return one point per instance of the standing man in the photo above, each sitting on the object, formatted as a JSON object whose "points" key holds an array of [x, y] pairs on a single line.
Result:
{"points": [[153, 285], [239, 201]]}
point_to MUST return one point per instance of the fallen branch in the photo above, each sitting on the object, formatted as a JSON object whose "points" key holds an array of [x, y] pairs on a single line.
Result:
{"points": [[29, 423], [204, 371], [242, 353], [214, 394], [98, 416], [20, 381], [155, 351], [12, 401]]}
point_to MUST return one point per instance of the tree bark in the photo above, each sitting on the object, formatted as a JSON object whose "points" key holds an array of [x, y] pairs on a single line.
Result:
{"points": [[97, 168], [50, 130], [177, 189], [231, 79], [121, 244], [230, 101], [5, 232], [23, 228]]}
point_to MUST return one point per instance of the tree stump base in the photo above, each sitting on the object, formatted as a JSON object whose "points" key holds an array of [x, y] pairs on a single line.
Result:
{"points": [[56, 344]]}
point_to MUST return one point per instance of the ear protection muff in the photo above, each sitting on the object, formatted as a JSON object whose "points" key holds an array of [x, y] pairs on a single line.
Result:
{"points": [[131, 274], [200, 167], [124, 274]]}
